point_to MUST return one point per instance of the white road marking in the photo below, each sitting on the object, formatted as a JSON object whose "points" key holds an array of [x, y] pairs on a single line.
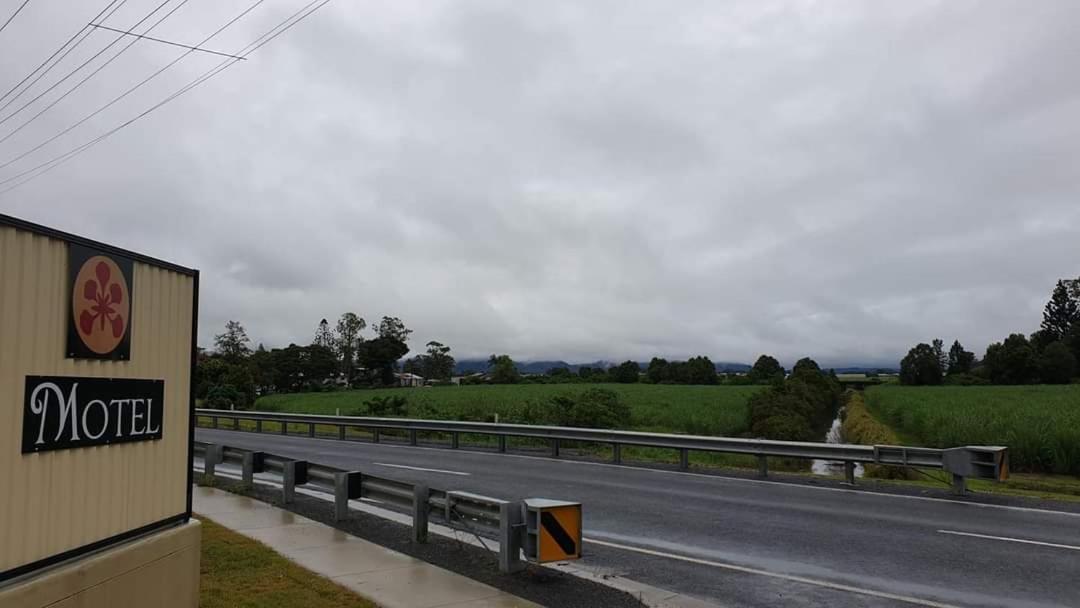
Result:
{"points": [[789, 577], [787, 484], [405, 466], [1010, 539]]}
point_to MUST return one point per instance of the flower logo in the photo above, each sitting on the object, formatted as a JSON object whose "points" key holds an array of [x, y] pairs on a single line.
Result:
{"points": [[101, 304]]}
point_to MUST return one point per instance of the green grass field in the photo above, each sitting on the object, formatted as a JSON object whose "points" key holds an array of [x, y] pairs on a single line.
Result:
{"points": [[1039, 424], [702, 410], [237, 572]]}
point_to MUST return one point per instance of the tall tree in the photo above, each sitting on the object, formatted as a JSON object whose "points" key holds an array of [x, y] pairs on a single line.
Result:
{"points": [[960, 361], [938, 346], [323, 336], [503, 370], [1061, 312], [1012, 362], [1057, 364], [765, 370], [347, 340], [921, 366], [438, 363], [657, 371], [700, 370], [233, 344], [393, 329], [626, 372], [380, 354]]}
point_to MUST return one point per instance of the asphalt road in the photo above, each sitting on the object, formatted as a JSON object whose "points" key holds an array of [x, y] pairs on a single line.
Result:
{"points": [[744, 542]]}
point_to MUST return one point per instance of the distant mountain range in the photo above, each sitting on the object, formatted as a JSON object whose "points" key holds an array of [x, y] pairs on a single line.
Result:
{"points": [[469, 366]]}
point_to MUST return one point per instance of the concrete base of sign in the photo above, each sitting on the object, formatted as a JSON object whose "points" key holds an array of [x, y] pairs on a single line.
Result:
{"points": [[160, 569]]}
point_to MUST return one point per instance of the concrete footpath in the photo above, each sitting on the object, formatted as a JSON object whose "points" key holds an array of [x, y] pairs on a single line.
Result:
{"points": [[388, 578]]}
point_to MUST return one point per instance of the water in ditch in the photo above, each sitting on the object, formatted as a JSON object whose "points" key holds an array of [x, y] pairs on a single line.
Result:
{"points": [[834, 435]]}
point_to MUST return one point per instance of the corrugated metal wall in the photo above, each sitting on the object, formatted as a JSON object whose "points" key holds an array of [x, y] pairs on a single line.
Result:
{"points": [[60, 500]]}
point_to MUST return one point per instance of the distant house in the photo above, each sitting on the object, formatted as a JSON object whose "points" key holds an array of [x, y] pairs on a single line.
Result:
{"points": [[409, 379]]}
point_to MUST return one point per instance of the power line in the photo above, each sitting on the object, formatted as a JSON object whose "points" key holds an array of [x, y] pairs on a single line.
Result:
{"points": [[84, 64], [85, 28], [130, 90], [88, 77], [183, 46], [12, 17], [258, 43]]}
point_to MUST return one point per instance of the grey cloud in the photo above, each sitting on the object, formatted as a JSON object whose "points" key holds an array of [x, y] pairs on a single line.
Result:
{"points": [[593, 180]]}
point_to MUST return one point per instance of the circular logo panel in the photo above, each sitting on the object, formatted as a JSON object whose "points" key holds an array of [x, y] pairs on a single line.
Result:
{"points": [[101, 304]]}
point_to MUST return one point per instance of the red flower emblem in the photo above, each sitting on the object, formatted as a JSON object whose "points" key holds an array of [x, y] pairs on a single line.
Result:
{"points": [[101, 304], [104, 302]]}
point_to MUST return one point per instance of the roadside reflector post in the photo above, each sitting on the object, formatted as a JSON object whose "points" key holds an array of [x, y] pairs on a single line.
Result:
{"points": [[295, 475], [502, 443], [375, 436], [455, 441], [214, 420], [346, 487], [763, 465], [258, 426], [412, 437], [552, 530], [511, 528], [421, 496], [849, 472], [554, 448], [341, 432], [253, 463], [616, 453], [959, 484], [684, 459], [311, 429], [211, 458], [284, 428]]}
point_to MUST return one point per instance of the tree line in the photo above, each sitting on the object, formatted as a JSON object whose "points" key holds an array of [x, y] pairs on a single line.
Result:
{"points": [[342, 356], [698, 370], [1050, 355]]}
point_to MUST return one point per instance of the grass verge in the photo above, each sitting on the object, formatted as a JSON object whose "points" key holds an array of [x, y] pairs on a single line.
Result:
{"points": [[238, 572]]}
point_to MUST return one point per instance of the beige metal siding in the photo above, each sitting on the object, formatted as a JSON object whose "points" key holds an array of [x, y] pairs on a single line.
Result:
{"points": [[55, 501]]}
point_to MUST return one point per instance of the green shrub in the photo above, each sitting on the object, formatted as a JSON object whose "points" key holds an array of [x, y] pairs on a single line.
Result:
{"points": [[861, 427]]}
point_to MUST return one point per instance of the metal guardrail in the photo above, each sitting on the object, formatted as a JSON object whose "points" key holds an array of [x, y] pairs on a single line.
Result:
{"points": [[989, 462], [481, 515]]}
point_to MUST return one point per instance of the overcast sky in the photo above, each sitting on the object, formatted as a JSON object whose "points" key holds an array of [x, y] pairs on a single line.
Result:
{"points": [[582, 179]]}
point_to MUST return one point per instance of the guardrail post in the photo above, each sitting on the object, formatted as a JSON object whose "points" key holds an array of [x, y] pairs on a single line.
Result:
{"points": [[511, 525], [412, 437], [684, 459], [295, 475], [849, 472], [311, 429], [554, 448], [211, 458], [763, 465], [374, 435], [959, 484], [616, 453], [284, 427], [455, 441], [346, 487], [502, 443], [253, 463], [341, 432], [214, 421], [421, 495], [236, 424], [258, 426]]}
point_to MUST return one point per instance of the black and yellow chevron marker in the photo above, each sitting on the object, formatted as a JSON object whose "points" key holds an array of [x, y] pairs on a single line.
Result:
{"points": [[560, 533]]}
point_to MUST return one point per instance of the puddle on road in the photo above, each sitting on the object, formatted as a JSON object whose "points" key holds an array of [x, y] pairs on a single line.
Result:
{"points": [[832, 467]]}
